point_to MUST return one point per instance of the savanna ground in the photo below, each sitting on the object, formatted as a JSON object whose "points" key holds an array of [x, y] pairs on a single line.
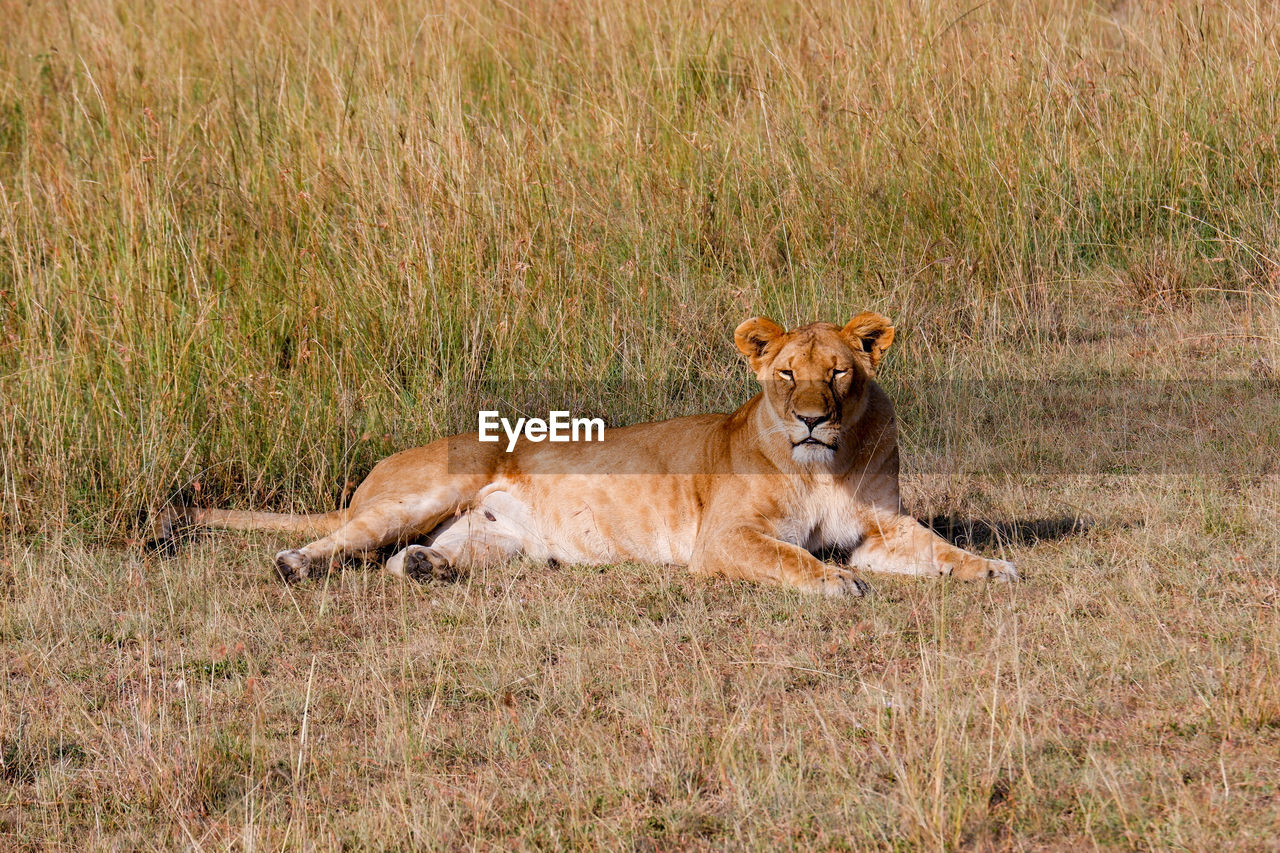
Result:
{"points": [[251, 247]]}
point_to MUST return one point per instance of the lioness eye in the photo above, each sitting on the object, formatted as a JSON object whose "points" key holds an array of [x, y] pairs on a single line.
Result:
{"points": [[786, 374]]}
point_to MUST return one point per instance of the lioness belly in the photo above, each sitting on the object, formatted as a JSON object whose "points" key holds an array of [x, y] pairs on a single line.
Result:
{"points": [[595, 519]]}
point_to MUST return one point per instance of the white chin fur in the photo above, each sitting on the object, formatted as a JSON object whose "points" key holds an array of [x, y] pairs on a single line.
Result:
{"points": [[812, 454]]}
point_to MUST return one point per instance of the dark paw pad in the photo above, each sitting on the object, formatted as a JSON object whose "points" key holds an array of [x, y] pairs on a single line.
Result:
{"points": [[292, 566], [427, 564]]}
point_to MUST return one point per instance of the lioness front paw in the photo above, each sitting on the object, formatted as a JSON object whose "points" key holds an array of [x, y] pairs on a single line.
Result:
{"points": [[292, 566], [1001, 571], [971, 568], [842, 582]]}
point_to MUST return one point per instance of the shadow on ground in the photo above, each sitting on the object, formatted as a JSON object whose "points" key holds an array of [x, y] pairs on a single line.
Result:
{"points": [[973, 533]]}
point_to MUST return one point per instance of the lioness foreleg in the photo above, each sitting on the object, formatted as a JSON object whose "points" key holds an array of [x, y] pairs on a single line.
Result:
{"points": [[754, 555], [900, 544]]}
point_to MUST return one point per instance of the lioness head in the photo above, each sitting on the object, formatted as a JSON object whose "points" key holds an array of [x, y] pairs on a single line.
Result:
{"points": [[815, 378]]}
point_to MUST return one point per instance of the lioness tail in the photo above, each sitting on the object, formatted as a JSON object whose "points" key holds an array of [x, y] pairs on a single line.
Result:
{"points": [[172, 521]]}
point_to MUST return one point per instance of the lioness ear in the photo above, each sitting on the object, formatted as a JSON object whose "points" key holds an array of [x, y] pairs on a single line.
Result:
{"points": [[870, 332], [753, 336]]}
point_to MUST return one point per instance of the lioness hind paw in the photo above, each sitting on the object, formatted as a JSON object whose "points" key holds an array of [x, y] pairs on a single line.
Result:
{"points": [[292, 566], [427, 564]]}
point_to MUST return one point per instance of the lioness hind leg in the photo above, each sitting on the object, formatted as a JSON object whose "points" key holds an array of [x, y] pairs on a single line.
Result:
{"points": [[902, 545], [370, 527], [498, 528]]}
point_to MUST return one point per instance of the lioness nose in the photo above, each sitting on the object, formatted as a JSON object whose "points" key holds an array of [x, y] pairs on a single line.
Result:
{"points": [[812, 422]]}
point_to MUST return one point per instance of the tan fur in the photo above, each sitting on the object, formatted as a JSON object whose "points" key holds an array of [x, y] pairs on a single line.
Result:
{"points": [[809, 463]]}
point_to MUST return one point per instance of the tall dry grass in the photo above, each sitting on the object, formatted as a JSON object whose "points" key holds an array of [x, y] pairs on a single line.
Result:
{"points": [[252, 247]]}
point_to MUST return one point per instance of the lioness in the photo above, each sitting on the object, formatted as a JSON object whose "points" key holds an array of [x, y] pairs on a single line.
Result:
{"points": [[809, 464]]}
